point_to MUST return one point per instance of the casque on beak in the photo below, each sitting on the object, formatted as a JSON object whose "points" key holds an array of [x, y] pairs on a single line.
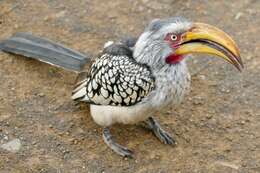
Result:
{"points": [[204, 38]]}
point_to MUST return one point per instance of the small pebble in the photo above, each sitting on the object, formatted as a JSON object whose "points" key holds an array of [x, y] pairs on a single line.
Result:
{"points": [[41, 94], [198, 101], [209, 116], [6, 138], [242, 122], [202, 77], [12, 146], [238, 15]]}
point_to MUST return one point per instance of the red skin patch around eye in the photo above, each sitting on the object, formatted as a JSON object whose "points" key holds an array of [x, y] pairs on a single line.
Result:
{"points": [[173, 43], [173, 58]]}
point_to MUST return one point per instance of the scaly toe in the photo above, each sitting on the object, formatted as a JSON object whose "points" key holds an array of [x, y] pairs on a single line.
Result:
{"points": [[124, 152], [166, 138]]}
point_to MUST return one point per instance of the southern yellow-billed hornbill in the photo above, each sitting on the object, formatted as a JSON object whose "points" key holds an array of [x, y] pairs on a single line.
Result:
{"points": [[134, 79]]}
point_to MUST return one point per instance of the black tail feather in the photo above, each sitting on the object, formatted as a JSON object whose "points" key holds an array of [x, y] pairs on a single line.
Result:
{"points": [[44, 50]]}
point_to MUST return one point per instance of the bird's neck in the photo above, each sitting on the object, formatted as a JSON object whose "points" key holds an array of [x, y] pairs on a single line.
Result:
{"points": [[151, 52], [172, 83]]}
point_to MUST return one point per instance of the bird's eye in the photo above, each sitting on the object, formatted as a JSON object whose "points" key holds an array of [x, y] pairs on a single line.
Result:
{"points": [[174, 37]]}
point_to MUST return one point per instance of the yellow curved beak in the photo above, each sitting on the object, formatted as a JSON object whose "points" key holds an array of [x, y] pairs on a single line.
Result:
{"points": [[204, 38]]}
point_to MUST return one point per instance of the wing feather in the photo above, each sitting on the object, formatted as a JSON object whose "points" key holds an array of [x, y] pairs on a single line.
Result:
{"points": [[115, 80]]}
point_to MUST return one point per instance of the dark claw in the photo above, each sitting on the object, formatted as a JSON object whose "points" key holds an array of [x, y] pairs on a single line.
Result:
{"points": [[166, 138], [125, 152], [161, 134], [119, 149]]}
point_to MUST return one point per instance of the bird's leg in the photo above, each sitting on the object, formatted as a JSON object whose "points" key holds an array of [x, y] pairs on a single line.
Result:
{"points": [[157, 130], [119, 149]]}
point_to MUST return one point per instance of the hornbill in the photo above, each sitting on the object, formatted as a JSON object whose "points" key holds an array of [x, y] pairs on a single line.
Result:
{"points": [[134, 79]]}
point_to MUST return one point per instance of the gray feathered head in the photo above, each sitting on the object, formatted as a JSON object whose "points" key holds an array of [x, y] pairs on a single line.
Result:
{"points": [[167, 41]]}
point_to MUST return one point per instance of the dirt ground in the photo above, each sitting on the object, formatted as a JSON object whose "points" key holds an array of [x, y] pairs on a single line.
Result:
{"points": [[217, 126]]}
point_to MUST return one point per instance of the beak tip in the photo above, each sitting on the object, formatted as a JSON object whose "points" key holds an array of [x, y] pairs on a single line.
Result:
{"points": [[240, 63], [240, 67]]}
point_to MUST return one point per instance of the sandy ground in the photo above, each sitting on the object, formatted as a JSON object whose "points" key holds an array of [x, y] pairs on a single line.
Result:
{"points": [[217, 126]]}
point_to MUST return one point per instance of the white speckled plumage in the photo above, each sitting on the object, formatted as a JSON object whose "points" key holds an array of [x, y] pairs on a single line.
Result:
{"points": [[169, 91], [105, 86]]}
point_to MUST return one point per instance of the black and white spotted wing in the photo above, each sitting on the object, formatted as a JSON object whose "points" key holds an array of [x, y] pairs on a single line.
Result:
{"points": [[115, 80]]}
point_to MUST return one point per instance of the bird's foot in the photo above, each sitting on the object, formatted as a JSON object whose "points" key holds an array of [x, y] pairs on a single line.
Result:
{"points": [[157, 130], [119, 149]]}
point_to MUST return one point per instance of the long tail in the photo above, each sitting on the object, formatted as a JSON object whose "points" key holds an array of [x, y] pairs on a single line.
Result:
{"points": [[44, 50]]}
